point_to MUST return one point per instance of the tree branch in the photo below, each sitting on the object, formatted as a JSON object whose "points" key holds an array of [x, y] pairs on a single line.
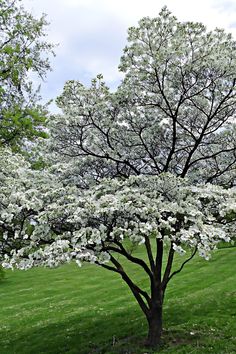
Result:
{"points": [[168, 266], [137, 292], [131, 258], [182, 266], [150, 255]]}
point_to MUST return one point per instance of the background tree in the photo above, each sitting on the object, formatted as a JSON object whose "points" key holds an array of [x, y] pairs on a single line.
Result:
{"points": [[22, 52]]}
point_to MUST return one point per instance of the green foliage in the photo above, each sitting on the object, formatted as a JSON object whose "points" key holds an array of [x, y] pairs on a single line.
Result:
{"points": [[19, 124], [91, 311], [22, 50]]}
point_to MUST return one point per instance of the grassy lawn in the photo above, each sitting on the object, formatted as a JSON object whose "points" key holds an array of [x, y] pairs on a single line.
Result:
{"points": [[90, 310]]}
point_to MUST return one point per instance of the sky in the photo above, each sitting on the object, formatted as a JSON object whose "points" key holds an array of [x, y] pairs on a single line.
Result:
{"points": [[91, 34]]}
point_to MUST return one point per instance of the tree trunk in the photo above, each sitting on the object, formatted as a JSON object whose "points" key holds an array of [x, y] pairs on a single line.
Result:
{"points": [[155, 328], [155, 322]]}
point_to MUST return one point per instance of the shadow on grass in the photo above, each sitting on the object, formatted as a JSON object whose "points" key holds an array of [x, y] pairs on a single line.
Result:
{"points": [[93, 333], [77, 335]]}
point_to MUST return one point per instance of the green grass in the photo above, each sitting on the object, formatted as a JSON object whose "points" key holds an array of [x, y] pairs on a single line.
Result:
{"points": [[90, 310]]}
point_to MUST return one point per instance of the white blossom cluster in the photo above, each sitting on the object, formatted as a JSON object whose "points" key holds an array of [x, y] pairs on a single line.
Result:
{"points": [[43, 222]]}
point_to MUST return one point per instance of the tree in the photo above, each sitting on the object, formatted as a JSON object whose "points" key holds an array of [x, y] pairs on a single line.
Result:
{"points": [[22, 52], [129, 163]]}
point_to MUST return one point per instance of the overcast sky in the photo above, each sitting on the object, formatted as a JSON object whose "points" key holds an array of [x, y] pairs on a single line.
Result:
{"points": [[92, 33]]}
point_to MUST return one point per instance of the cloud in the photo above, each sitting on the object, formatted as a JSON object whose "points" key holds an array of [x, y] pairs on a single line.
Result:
{"points": [[226, 6], [92, 33]]}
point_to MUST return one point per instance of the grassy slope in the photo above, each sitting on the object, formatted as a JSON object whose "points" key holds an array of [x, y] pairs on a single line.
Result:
{"points": [[90, 310]]}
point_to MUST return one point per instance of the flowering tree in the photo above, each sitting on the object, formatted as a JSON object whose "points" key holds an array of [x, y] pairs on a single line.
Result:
{"points": [[133, 167], [23, 51]]}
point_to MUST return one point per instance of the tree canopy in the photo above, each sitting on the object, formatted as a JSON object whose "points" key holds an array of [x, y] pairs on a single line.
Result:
{"points": [[173, 112]]}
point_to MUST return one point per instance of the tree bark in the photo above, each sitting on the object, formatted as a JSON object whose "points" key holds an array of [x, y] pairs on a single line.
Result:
{"points": [[155, 327], [155, 319]]}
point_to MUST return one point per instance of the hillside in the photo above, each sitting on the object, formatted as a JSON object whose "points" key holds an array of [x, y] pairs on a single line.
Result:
{"points": [[90, 310]]}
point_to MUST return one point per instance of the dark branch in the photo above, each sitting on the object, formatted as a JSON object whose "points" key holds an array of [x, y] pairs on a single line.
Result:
{"points": [[182, 266], [137, 292], [168, 266]]}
